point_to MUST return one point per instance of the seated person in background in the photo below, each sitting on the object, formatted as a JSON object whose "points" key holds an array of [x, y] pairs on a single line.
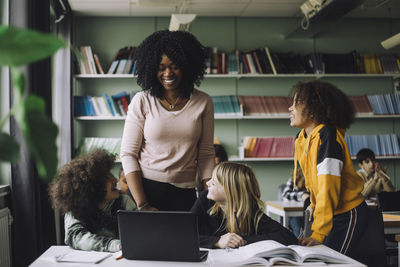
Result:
{"points": [[376, 180], [220, 154], [231, 213], [295, 193], [85, 191]]}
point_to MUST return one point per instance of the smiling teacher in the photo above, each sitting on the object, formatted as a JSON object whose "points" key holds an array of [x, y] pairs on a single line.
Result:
{"points": [[169, 129]]}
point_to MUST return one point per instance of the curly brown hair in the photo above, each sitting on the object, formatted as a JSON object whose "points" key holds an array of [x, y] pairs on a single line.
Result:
{"points": [[324, 103], [187, 53], [80, 185]]}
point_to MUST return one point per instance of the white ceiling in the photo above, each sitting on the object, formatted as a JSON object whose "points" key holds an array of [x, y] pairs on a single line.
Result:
{"points": [[240, 8]]}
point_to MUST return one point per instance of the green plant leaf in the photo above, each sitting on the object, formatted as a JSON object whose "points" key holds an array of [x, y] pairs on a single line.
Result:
{"points": [[18, 80], [9, 148], [40, 134], [21, 46]]}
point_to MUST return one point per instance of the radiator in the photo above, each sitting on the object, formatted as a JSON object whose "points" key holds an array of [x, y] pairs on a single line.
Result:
{"points": [[5, 238]]}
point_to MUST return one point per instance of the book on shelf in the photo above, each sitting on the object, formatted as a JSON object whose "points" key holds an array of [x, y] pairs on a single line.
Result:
{"points": [[105, 105], [382, 145], [316, 63], [89, 144], [227, 105], [268, 147], [115, 62], [84, 62], [389, 64], [263, 61], [214, 60], [372, 64], [98, 65], [250, 62], [129, 65], [385, 103], [361, 105], [270, 252], [265, 105], [208, 61], [233, 64], [340, 63], [252, 105], [271, 62]]}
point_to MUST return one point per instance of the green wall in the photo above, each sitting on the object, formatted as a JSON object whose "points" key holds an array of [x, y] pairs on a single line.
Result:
{"points": [[107, 34]]}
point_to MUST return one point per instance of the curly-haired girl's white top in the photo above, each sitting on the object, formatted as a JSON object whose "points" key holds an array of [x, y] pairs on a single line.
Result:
{"points": [[169, 146]]}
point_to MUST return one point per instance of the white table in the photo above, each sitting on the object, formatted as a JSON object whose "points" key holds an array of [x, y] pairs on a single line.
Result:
{"points": [[47, 260], [391, 223], [285, 209]]}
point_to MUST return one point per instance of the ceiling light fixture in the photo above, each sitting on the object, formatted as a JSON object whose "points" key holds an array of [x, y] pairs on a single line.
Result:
{"points": [[181, 22], [391, 41]]}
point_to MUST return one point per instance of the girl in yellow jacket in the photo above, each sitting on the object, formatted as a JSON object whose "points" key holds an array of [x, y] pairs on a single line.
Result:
{"points": [[337, 206]]}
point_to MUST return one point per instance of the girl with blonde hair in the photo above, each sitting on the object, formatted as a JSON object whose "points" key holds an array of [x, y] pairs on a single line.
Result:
{"points": [[231, 213]]}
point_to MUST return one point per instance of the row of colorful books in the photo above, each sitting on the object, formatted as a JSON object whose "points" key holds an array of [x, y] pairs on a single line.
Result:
{"points": [[279, 105], [105, 105], [121, 63], [263, 61], [89, 62], [283, 147], [385, 103], [89, 144], [257, 61], [268, 147], [382, 145]]}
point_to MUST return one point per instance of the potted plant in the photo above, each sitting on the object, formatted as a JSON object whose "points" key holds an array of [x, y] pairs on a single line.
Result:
{"points": [[20, 47]]}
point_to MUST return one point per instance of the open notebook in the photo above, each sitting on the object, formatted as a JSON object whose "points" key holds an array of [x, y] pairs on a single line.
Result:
{"points": [[269, 252]]}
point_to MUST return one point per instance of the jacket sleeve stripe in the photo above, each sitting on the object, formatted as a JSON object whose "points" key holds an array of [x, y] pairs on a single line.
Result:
{"points": [[330, 166]]}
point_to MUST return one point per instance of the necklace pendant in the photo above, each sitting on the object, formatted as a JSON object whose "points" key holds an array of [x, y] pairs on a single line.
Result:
{"points": [[171, 106]]}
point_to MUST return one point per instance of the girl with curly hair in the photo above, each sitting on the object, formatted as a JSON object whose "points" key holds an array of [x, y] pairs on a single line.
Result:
{"points": [[169, 129], [337, 206], [85, 191], [231, 213]]}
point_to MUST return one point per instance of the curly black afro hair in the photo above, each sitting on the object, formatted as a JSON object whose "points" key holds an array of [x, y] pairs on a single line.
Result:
{"points": [[324, 103], [182, 48], [80, 185]]}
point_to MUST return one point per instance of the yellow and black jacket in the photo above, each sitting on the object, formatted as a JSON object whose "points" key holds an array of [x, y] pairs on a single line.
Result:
{"points": [[334, 185]]}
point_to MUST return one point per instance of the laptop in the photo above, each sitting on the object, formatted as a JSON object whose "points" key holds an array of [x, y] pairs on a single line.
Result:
{"points": [[159, 236]]}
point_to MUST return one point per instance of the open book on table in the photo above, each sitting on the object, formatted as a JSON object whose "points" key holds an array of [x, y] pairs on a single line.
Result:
{"points": [[269, 252]]}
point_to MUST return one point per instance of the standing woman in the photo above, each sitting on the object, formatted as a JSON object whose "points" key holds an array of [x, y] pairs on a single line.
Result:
{"points": [[169, 129]]}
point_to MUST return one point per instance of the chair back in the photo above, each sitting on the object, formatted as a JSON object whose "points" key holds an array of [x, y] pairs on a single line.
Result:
{"points": [[389, 201], [370, 248]]}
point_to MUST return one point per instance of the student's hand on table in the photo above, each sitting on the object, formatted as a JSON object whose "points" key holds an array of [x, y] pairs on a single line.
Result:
{"points": [[308, 241], [230, 240]]}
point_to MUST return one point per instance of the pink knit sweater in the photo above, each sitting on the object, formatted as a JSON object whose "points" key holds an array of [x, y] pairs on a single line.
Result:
{"points": [[169, 146]]}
